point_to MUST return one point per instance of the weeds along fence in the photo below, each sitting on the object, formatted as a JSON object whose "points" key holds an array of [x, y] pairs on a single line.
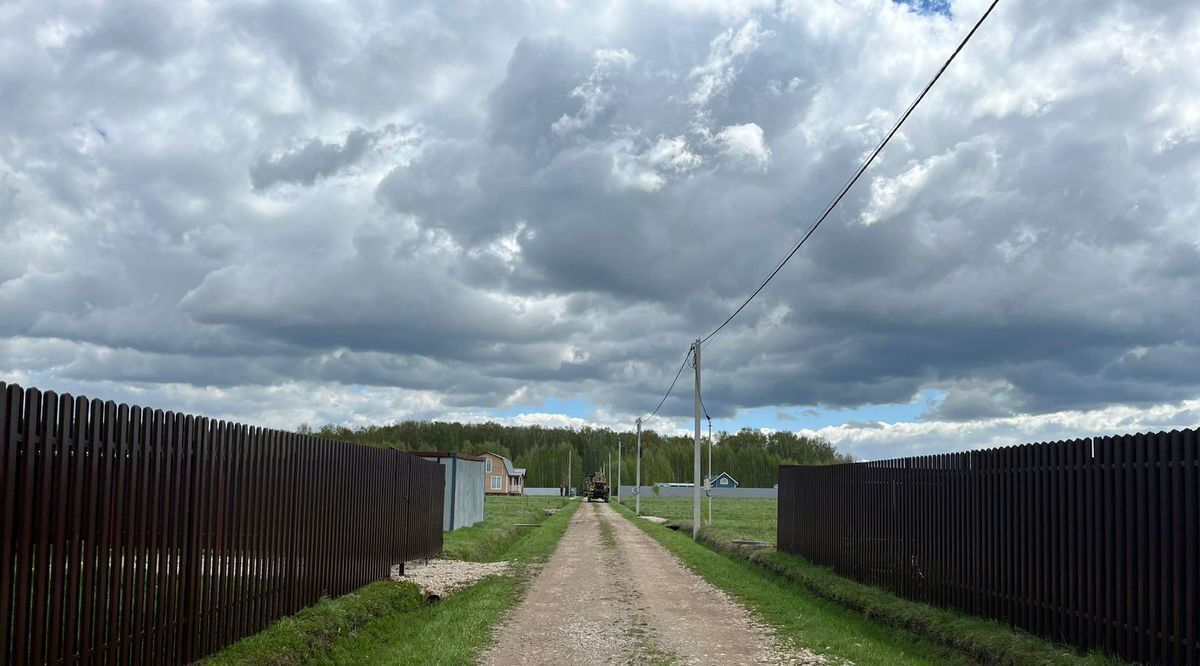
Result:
{"points": [[132, 535], [1093, 542]]}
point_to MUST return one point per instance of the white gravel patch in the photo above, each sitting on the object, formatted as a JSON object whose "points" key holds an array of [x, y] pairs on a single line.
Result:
{"points": [[445, 577]]}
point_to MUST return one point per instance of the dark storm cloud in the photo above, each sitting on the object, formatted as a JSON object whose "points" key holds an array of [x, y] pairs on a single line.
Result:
{"points": [[464, 206]]}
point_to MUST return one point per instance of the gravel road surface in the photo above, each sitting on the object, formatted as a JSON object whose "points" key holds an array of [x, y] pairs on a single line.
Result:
{"points": [[610, 594]]}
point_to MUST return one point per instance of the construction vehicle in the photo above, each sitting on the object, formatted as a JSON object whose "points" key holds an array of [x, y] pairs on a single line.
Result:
{"points": [[595, 488]]}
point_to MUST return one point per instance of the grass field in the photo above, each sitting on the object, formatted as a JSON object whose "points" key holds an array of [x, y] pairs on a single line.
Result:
{"points": [[733, 518], [486, 541]]}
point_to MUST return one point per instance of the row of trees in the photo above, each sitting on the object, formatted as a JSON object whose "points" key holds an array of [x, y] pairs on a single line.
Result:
{"points": [[750, 456]]}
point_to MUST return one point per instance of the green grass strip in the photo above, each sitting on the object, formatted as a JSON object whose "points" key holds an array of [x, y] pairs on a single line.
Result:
{"points": [[983, 640], [386, 622], [953, 635], [455, 629], [487, 541], [297, 638], [798, 616]]}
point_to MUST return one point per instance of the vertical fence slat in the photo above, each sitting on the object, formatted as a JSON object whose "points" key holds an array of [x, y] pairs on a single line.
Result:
{"points": [[1178, 545], [1063, 536], [91, 596], [10, 418], [258, 486], [239, 516], [139, 616], [25, 554], [1024, 611], [1098, 500], [1112, 543], [1128, 641], [1059, 530], [254, 505], [1149, 565], [167, 645], [56, 537], [224, 551], [192, 564], [118, 417], [73, 612], [156, 582], [1163, 572], [271, 467], [1078, 523], [127, 564], [1082, 522], [295, 542], [1191, 507], [43, 529]]}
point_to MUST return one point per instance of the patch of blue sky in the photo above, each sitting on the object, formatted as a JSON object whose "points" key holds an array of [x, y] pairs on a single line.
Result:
{"points": [[815, 418], [775, 417], [927, 6]]}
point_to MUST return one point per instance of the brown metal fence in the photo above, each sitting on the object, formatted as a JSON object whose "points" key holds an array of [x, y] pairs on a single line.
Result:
{"points": [[131, 535], [1093, 542]]}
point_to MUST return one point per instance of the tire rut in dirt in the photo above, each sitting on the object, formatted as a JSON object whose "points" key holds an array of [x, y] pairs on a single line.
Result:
{"points": [[579, 609], [694, 621]]}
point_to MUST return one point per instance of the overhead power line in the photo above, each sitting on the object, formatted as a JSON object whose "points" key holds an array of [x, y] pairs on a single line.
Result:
{"points": [[831, 206], [670, 388], [857, 174]]}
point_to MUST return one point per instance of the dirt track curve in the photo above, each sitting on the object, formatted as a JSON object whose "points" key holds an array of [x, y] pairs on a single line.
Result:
{"points": [[610, 594]]}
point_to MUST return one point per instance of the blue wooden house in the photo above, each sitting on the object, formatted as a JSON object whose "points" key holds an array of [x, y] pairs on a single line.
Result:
{"points": [[723, 480]]}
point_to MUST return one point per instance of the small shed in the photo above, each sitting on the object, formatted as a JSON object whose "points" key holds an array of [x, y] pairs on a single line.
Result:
{"points": [[723, 480], [464, 488]]}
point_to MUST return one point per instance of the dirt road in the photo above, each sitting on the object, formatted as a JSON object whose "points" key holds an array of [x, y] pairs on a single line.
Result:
{"points": [[611, 594]]}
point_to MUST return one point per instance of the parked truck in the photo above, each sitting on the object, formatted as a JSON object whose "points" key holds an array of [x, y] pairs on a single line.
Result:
{"points": [[595, 488]]}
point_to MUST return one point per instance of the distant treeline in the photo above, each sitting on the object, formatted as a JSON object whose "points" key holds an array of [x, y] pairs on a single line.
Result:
{"points": [[750, 456]]}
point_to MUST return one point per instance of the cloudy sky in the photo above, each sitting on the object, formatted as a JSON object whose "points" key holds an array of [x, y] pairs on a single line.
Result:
{"points": [[355, 212]]}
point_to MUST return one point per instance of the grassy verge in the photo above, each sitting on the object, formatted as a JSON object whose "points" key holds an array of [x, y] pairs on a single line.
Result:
{"points": [[312, 631], [796, 615], [983, 640], [733, 517], [872, 617], [385, 622], [456, 628], [486, 541]]}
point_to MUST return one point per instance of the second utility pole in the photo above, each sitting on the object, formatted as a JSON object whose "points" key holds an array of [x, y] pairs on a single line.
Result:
{"points": [[696, 446], [637, 483]]}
